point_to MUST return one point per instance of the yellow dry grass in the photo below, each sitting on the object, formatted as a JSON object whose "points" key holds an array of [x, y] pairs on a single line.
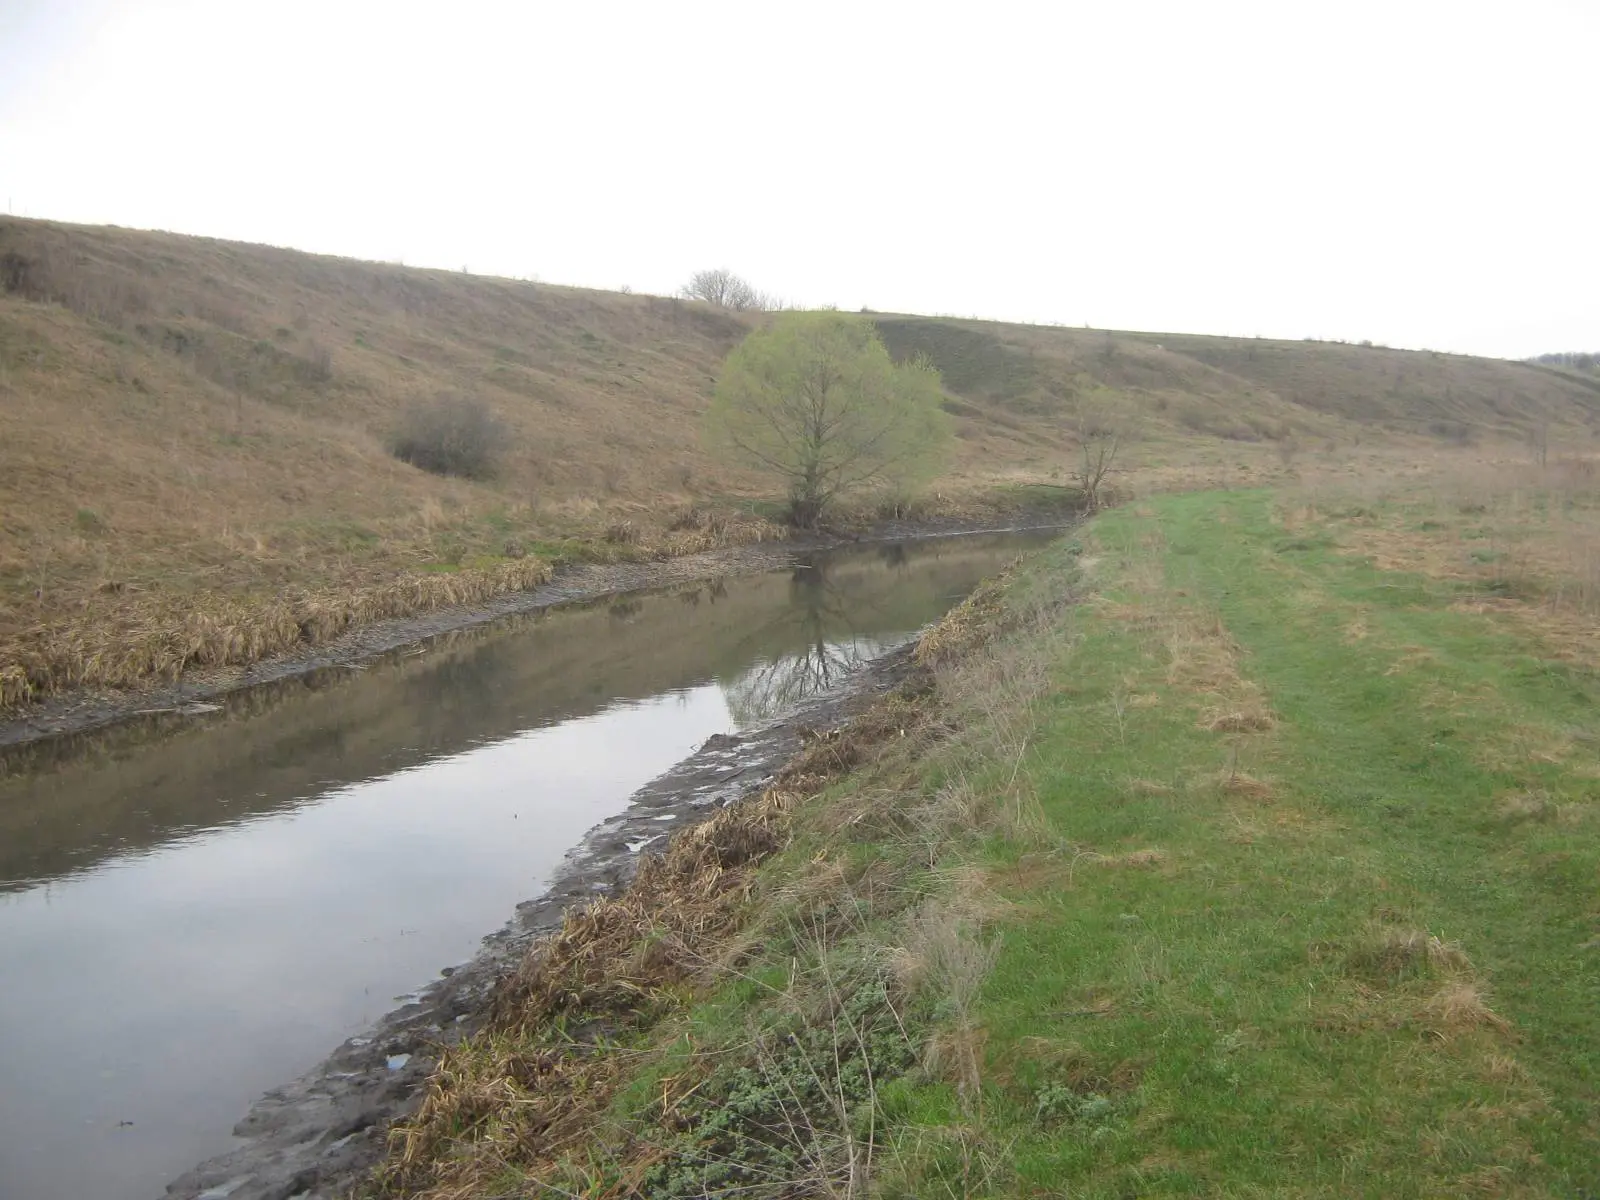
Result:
{"points": [[1246, 786], [1521, 539], [161, 640], [1146, 859], [1459, 1004]]}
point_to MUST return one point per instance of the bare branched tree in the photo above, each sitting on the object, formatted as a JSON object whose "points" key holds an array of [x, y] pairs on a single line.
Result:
{"points": [[1099, 457], [723, 288], [1099, 441]]}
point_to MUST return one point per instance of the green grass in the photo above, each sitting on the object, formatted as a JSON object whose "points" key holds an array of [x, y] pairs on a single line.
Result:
{"points": [[1218, 1004]]}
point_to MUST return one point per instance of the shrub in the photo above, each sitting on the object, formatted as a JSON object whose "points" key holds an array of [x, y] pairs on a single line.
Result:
{"points": [[17, 275], [1452, 431], [453, 435]]}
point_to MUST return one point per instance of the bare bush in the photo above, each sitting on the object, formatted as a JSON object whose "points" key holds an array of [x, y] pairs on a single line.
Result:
{"points": [[1101, 428], [723, 288], [453, 435], [1099, 457], [17, 275], [315, 365]]}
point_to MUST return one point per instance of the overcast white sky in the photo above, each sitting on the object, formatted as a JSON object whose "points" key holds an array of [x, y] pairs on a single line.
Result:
{"points": [[1418, 173]]}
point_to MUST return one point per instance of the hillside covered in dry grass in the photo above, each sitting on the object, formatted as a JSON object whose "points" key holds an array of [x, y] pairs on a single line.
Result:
{"points": [[195, 435]]}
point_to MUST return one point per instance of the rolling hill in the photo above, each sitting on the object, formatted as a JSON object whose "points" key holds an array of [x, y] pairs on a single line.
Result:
{"points": [[193, 430]]}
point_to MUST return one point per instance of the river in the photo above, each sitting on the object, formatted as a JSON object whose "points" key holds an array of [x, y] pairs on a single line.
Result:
{"points": [[195, 909]]}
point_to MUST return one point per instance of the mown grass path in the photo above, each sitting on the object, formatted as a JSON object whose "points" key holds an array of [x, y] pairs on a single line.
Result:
{"points": [[1330, 925]]}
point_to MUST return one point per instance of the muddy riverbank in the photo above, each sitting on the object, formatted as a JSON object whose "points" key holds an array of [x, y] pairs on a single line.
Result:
{"points": [[314, 1138], [85, 712]]}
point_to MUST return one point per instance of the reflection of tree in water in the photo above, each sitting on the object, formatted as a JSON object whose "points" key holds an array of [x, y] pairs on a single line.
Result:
{"points": [[815, 606], [717, 590]]}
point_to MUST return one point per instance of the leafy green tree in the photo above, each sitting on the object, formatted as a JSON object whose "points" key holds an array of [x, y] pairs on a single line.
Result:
{"points": [[815, 399]]}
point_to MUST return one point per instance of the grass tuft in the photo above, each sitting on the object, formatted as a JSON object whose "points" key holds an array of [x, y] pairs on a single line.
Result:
{"points": [[1393, 954]]}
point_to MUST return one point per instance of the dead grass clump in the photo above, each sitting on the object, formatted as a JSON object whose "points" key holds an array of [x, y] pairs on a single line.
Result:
{"points": [[16, 688], [1202, 655], [718, 531], [1537, 805], [622, 533], [899, 717], [824, 754], [1392, 954], [1148, 787], [966, 626], [940, 948], [1502, 1068], [610, 956], [695, 529], [1248, 719], [1459, 1005], [1145, 860], [1239, 783], [498, 1095]]}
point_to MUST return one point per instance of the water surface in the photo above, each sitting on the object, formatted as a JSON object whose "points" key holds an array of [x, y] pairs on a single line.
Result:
{"points": [[194, 911]]}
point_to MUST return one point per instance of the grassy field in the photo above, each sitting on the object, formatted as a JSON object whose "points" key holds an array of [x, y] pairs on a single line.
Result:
{"points": [[1244, 845], [194, 436]]}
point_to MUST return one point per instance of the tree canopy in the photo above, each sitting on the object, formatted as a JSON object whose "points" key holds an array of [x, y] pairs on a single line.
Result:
{"points": [[815, 399]]}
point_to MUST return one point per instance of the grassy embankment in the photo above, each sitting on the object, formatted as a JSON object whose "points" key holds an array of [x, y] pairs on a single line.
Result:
{"points": [[194, 436], [1254, 854]]}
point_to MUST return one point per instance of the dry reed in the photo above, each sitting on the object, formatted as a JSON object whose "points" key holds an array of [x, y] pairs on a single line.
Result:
{"points": [[166, 637], [150, 639]]}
